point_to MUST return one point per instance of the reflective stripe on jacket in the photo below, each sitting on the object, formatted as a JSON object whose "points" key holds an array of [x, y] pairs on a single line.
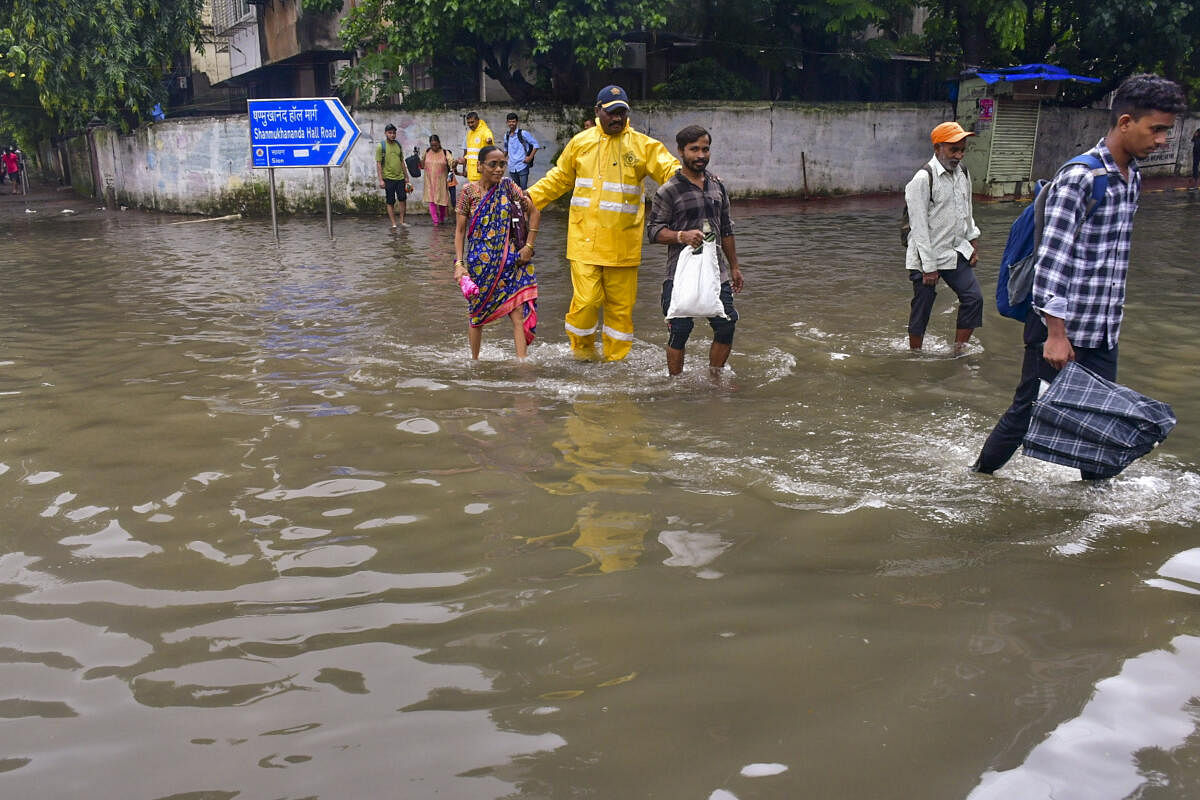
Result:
{"points": [[605, 174], [476, 140]]}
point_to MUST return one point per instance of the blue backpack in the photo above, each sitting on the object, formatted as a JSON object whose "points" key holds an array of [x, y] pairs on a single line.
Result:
{"points": [[1014, 284]]}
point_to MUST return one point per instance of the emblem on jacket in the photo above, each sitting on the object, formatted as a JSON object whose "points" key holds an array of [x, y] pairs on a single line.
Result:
{"points": [[630, 158]]}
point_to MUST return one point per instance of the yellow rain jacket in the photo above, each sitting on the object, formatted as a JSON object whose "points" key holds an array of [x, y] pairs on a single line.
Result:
{"points": [[607, 207], [476, 140]]}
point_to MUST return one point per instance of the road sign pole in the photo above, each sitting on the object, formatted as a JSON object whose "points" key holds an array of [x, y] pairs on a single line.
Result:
{"points": [[328, 206], [274, 222]]}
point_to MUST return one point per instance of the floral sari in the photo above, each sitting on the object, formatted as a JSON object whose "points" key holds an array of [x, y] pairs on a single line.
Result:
{"points": [[496, 225]]}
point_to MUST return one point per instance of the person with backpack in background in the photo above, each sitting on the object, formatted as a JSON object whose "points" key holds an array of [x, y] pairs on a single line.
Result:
{"points": [[942, 237], [521, 149], [1195, 158], [389, 162], [1082, 258]]}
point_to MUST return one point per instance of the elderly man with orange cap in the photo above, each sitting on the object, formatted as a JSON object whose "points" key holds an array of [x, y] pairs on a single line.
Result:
{"points": [[942, 237], [604, 168]]}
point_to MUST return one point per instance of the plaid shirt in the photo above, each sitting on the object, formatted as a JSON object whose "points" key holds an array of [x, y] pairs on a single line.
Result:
{"points": [[1082, 265], [1096, 425], [680, 205]]}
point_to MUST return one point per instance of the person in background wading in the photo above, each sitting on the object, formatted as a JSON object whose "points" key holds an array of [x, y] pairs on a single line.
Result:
{"points": [[522, 148], [479, 135], [452, 179], [942, 241], [436, 166], [1195, 158], [393, 179]]}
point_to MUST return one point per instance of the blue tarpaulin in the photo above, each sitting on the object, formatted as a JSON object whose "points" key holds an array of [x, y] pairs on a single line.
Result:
{"points": [[1032, 72]]}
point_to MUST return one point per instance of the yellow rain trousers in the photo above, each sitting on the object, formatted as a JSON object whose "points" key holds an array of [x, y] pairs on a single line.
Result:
{"points": [[605, 230]]}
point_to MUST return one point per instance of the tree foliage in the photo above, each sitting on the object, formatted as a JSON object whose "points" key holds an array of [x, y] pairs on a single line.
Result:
{"points": [[1109, 39], [63, 62], [705, 79], [559, 38]]}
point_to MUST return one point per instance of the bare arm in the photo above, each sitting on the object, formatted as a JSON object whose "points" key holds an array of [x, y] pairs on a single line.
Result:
{"points": [[460, 239], [533, 219]]}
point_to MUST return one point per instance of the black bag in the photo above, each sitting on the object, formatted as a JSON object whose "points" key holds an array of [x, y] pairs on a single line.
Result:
{"points": [[413, 163]]}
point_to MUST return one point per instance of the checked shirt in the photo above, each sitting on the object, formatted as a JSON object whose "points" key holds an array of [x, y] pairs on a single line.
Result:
{"points": [[1082, 265], [680, 205]]}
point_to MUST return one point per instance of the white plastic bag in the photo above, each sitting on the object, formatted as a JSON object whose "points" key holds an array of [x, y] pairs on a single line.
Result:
{"points": [[697, 289]]}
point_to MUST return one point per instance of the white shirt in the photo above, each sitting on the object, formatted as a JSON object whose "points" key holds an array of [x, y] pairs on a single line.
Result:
{"points": [[944, 229]]}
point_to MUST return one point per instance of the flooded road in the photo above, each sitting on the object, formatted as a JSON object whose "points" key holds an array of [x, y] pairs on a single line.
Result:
{"points": [[268, 533]]}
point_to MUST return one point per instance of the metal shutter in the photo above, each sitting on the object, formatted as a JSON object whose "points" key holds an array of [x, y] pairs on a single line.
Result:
{"points": [[1013, 138]]}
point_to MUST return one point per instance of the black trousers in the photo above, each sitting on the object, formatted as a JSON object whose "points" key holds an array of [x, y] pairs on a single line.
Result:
{"points": [[962, 282], [1006, 437]]}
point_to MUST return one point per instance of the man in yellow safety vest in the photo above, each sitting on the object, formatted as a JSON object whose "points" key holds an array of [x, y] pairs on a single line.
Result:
{"points": [[479, 135]]}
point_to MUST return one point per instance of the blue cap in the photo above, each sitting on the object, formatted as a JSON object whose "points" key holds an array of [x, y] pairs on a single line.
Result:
{"points": [[611, 97]]}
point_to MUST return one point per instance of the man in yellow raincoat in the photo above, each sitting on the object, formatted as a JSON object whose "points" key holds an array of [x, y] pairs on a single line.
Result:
{"points": [[605, 166], [479, 135]]}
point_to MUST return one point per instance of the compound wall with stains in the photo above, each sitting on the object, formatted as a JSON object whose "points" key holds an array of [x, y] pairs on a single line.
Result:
{"points": [[202, 164]]}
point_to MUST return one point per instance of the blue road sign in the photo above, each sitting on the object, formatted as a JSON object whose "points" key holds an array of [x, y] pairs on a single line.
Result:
{"points": [[300, 132]]}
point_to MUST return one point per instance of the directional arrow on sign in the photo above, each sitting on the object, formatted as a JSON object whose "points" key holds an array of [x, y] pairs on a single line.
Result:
{"points": [[300, 132]]}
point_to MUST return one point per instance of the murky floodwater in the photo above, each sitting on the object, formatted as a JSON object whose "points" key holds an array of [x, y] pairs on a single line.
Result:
{"points": [[268, 533]]}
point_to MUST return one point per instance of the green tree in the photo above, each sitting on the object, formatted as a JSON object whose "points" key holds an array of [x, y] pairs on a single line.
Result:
{"points": [[704, 79], [795, 48], [561, 38], [1108, 39], [63, 63]]}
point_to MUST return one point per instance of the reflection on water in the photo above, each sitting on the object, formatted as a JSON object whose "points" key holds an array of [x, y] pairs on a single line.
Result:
{"points": [[1108, 750], [266, 521], [604, 455]]}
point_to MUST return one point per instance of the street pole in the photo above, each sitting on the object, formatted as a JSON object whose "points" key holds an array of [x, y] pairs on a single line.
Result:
{"points": [[274, 222], [328, 207]]}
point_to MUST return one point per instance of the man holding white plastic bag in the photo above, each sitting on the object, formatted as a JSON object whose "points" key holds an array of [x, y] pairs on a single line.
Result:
{"points": [[695, 199]]}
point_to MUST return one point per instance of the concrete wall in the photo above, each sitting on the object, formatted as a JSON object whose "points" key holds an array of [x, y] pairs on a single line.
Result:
{"points": [[1067, 132], [202, 165]]}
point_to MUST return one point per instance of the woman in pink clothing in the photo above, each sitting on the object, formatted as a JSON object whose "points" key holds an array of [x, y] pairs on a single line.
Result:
{"points": [[436, 166], [12, 165]]}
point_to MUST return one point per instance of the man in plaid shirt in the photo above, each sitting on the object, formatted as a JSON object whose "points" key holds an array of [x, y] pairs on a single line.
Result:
{"points": [[1082, 261], [681, 207]]}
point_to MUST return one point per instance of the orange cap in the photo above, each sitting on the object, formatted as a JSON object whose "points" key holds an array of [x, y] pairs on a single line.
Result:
{"points": [[949, 132]]}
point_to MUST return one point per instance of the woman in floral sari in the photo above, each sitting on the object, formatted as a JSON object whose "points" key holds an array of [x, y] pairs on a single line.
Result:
{"points": [[497, 226]]}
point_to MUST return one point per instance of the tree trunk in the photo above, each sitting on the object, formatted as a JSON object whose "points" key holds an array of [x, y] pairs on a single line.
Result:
{"points": [[498, 66], [968, 33]]}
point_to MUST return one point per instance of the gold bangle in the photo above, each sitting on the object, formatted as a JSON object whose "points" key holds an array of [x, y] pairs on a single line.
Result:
{"points": [[458, 262], [533, 230], [679, 237]]}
